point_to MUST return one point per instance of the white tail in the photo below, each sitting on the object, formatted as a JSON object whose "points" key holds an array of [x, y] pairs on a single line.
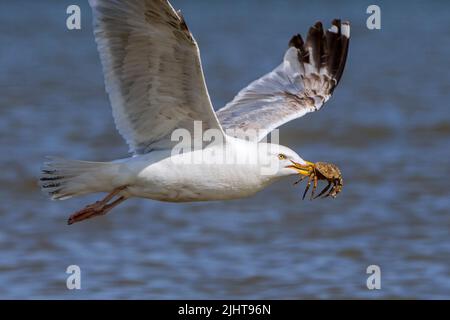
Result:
{"points": [[63, 179]]}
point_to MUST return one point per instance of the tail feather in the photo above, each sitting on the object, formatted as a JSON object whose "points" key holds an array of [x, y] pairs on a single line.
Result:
{"points": [[62, 178]]}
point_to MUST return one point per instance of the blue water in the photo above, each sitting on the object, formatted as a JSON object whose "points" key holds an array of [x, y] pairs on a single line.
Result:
{"points": [[387, 127]]}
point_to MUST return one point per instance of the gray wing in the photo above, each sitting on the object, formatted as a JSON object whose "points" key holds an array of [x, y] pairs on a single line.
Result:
{"points": [[153, 73], [301, 84]]}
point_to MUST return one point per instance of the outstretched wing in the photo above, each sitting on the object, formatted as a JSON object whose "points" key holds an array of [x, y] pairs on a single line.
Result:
{"points": [[153, 72], [301, 84]]}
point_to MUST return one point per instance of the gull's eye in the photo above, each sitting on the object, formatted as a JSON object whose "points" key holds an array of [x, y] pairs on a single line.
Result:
{"points": [[282, 156]]}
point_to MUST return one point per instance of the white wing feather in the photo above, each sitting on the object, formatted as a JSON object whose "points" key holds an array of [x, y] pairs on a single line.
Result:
{"points": [[152, 69]]}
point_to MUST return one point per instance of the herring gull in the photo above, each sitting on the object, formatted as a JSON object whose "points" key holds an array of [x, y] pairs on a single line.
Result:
{"points": [[182, 150]]}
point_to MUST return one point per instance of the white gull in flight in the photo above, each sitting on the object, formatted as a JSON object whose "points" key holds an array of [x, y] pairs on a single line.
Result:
{"points": [[154, 79]]}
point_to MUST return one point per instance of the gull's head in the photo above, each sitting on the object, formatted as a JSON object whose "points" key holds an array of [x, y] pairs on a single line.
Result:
{"points": [[285, 162]]}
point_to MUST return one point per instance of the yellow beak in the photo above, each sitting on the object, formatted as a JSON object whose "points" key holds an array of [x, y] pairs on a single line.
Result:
{"points": [[305, 169]]}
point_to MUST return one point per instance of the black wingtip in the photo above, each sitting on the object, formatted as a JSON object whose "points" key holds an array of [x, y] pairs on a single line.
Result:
{"points": [[318, 25], [325, 48], [316, 42], [296, 41], [337, 23]]}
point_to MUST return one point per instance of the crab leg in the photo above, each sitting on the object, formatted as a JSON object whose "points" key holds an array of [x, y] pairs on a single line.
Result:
{"points": [[324, 190], [314, 187], [332, 191], [300, 180], [307, 186]]}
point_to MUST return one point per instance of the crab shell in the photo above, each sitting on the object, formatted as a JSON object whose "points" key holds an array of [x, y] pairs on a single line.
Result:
{"points": [[330, 172]]}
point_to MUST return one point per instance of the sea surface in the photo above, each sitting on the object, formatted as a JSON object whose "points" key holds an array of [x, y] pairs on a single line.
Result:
{"points": [[387, 127]]}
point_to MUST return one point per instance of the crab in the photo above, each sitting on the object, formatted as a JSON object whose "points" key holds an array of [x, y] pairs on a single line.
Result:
{"points": [[323, 171]]}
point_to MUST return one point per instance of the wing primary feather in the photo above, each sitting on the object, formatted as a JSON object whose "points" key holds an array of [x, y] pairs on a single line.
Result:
{"points": [[344, 51], [299, 44], [325, 49], [337, 44], [303, 83], [315, 44]]}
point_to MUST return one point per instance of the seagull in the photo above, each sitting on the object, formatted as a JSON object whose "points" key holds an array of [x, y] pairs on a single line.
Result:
{"points": [[160, 102]]}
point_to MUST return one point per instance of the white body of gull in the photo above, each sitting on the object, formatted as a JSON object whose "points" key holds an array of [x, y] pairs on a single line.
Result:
{"points": [[155, 83]]}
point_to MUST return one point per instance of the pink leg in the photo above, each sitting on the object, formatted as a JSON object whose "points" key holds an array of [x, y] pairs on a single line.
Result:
{"points": [[98, 208]]}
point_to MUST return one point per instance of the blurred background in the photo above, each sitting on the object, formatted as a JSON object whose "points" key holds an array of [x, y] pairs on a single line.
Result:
{"points": [[387, 127]]}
